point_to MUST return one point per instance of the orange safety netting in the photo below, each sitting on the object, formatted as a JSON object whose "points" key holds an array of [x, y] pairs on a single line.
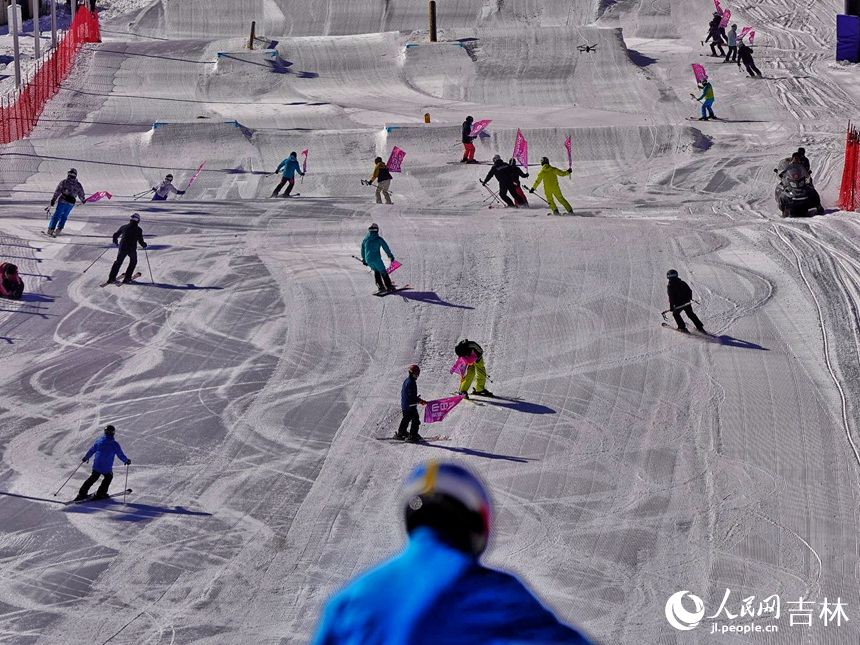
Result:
{"points": [[849, 193], [18, 114]]}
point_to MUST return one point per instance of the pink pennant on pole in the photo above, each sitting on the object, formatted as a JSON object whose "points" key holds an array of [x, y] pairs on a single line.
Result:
{"points": [[752, 37], [437, 410], [744, 32], [459, 367], [304, 161], [699, 71], [395, 160], [726, 17], [191, 181], [521, 150], [719, 8], [569, 156], [394, 265], [479, 126], [99, 195]]}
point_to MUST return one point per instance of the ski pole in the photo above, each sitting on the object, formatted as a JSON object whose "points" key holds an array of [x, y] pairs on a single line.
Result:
{"points": [[96, 260], [143, 194], [125, 490], [47, 212], [146, 255], [489, 190], [532, 192], [67, 481]]}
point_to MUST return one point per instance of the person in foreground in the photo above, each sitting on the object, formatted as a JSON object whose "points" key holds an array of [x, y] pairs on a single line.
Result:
{"points": [[436, 590], [681, 300]]}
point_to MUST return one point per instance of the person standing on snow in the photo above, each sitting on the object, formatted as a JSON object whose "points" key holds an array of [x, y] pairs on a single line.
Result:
{"points": [[473, 354], [681, 300], [105, 449], [382, 176], [128, 236], [745, 56], [67, 191], [501, 171], [732, 39], [549, 176], [409, 402], [716, 37], [436, 590], [467, 138], [164, 189], [371, 255], [515, 173], [290, 167], [708, 95]]}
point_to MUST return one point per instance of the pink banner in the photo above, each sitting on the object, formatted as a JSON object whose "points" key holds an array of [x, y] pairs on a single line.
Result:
{"points": [[459, 367], [699, 71], [437, 410], [569, 156], [304, 161], [99, 195], [744, 32], [521, 149], [752, 37], [726, 17], [479, 126], [395, 160], [719, 8], [191, 181], [394, 265]]}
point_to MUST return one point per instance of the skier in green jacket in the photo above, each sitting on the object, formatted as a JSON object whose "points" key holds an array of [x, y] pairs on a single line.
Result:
{"points": [[549, 176]]}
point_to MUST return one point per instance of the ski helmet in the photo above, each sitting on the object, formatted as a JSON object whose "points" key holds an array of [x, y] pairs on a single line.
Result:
{"points": [[378, 160], [497, 158], [135, 217], [450, 499], [512, 162], [294, 154], [544, 161], [414, 369], [110, 430], [168, 177], [671, 273], [469, 119], [373, 227], [73, 172]]}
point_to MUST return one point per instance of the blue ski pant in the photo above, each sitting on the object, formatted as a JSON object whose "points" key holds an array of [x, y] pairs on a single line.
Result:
{"points": [[706, 108], [61, 214]]}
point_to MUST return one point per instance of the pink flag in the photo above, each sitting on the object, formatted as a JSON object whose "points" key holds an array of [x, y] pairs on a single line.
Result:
{"points": [[479, 126], [459, 367], [438, 409], [744, 32], [521, 149], [191, 181], [569, 157], [99, 195], [305, 161], [395, 160], [394, 265], [752, 37], [699, 71], [717, 5], [726, 17]]}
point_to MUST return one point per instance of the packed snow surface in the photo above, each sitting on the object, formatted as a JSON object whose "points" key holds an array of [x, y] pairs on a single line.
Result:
{"points": [[250, 368]]}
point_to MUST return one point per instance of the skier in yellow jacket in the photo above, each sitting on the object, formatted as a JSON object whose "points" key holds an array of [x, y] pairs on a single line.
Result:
{"points": [[549, 176]]}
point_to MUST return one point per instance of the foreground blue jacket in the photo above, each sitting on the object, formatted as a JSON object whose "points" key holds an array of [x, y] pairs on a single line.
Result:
{"points": [[105, 449], [371, 247], [433, 594]]}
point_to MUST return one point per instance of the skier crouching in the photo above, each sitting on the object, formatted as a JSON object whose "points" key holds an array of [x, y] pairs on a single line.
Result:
{"points": [[164, 189], [681, 300]]}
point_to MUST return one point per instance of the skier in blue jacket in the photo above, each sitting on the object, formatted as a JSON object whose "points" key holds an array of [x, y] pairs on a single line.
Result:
{"points": [[436, 591], [105, 449], [290, 167], [371, 256]]}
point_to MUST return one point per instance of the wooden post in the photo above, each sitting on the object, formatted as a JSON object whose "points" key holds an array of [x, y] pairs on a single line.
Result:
{"points": [[432, 21], [426, 117], [253, 34]]}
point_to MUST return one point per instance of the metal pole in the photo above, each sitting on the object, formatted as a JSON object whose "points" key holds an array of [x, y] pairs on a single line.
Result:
{"points": [[432, 21], [53, 24], [15, 52], [70, 476], [37, 31], [253, 33]]}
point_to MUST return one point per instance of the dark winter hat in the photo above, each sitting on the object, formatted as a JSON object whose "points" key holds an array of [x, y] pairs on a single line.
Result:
{"points": [[414, 369], [801, 151], [470, 119], [110, 430], [544, 161], [168, 177], [135, 217], [373, 227], [671, 273], [73, 172], [378, 160], [294, 154]]}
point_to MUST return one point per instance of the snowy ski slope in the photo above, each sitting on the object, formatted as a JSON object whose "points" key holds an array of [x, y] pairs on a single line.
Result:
{"points": [[249, 370]]}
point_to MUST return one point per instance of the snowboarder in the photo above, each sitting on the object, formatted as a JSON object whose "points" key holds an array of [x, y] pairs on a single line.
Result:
{"points": [[11, 284], [383, 180], [516, 173], [290, 167], [371, 255], [745, 56], [681, 300], [708, 95], [409, 402], [549, 176], [447, 513], [502, 172], [468, 146], [128, 236], [473, 354], [732, 38], [716, 38], [164, 189], [105, 449], [67, 191]]}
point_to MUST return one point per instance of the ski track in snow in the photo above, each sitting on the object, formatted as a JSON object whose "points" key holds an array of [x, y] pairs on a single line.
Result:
{"points": [[249, 371]]}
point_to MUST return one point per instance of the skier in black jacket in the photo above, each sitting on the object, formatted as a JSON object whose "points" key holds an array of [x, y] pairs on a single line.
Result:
{"points": [[131, 235], [502, 172], [468, 146], [745, 56], [513, 173], [681, 300]]}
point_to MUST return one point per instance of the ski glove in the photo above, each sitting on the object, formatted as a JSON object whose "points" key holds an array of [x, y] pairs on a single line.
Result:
{"points": [[143, 244], [531, 190], [84, 460], [53, 202], [128, 463]]}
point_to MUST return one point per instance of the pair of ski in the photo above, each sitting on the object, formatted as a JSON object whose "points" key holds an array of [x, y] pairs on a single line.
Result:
{"points": [[426, 440], [388, 293], [91, 498], [687, 332], [119, 283]]}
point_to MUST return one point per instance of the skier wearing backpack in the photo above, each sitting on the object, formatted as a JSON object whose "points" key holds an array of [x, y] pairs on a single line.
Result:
{"points": [[67, 192], [11, 284], [473, 354], [382, 176], [290, 167], [371, 255], [681, 300], [128, 236], [409, 402], [164, 189], [104, 450], [549, 176]]}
